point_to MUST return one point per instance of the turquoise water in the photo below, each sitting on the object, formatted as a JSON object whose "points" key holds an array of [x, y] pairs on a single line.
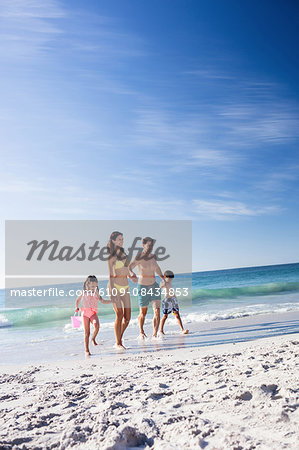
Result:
{"points": [[215, 296], [241, 292]]}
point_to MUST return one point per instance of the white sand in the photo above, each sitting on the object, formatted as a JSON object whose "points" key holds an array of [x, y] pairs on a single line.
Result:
{"points": [[233, 396]]}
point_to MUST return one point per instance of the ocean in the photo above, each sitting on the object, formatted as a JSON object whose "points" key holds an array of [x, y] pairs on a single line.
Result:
{"points": [[40, 328]]}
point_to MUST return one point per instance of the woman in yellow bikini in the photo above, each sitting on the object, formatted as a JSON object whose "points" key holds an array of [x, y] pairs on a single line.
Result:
{"points": [[118, 285]]}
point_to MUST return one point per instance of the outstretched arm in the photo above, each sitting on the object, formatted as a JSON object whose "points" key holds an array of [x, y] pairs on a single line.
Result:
{"points": [[77, 302], [132, 274], [111, 274], [102, 300], [159, 271], [162, 284]]}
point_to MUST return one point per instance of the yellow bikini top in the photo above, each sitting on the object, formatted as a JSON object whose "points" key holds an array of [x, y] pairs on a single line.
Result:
{"points": [[118, 264]]}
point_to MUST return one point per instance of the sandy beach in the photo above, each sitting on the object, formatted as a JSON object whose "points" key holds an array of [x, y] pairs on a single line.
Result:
{"points": [[232, 396]]}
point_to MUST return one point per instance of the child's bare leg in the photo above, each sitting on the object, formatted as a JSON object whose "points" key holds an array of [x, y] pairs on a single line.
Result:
{"points": [[163, 323], [96, 324], [178, 318], [86, 334]]}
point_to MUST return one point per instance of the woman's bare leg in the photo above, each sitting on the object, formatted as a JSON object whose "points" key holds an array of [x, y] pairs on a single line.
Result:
{"points": [[118, 325], [126, 313], [126, 320]]}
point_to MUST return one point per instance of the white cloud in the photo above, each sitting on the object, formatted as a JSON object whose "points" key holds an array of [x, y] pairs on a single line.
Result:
{"points": [[212, 158], [33, 29], [278, 181], [28, 27], [185, 138], [210, 74], [30, 9], [250, 124], [247, 111], [212, 138], [220, 210]]}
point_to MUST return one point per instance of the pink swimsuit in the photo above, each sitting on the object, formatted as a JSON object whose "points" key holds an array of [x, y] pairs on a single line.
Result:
{"points": [[89, 305]]}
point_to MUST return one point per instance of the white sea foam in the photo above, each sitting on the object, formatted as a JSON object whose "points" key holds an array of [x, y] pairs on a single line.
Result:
{"points": [[239, 313], [4, 323]]}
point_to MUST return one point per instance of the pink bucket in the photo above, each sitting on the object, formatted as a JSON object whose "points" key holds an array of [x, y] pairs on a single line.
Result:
{"points": [[76, 321]]}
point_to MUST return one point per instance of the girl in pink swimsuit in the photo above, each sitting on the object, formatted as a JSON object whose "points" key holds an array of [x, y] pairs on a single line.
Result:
{"points": [[89, 309]]}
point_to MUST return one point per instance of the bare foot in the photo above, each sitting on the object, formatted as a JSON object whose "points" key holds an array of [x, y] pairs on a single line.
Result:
{"points": [[94, 342], [185, 331], [87, 353], [143, 335], [162, 332], [119, 347]]}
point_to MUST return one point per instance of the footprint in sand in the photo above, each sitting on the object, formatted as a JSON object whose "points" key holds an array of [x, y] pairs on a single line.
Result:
{"points": [[245, 396]]}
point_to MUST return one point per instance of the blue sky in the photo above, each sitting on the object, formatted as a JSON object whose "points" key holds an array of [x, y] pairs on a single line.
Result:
{"points": [[155, 110]]}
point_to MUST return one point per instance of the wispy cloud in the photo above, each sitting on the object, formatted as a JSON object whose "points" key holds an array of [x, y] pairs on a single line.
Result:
{"points": [[279, 180], [28, 28], [210, 74], [213, 138], [165, 137], [77, 201], [247, 110], [30, 9], [107, 204], [247, 125], [34, 29], [132, 176], [223, 210], [185, 138]]}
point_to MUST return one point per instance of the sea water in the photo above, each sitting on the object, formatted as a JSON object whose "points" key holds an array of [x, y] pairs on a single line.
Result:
{"points": [[42, 327]]}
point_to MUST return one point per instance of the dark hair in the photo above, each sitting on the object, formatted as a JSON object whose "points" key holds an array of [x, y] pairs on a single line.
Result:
{"points": [[90, 279], [112, 248], [147, 239], [168, 274]]}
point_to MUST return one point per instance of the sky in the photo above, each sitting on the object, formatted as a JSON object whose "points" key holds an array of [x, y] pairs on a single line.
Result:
{"points": [[166, 109]]}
